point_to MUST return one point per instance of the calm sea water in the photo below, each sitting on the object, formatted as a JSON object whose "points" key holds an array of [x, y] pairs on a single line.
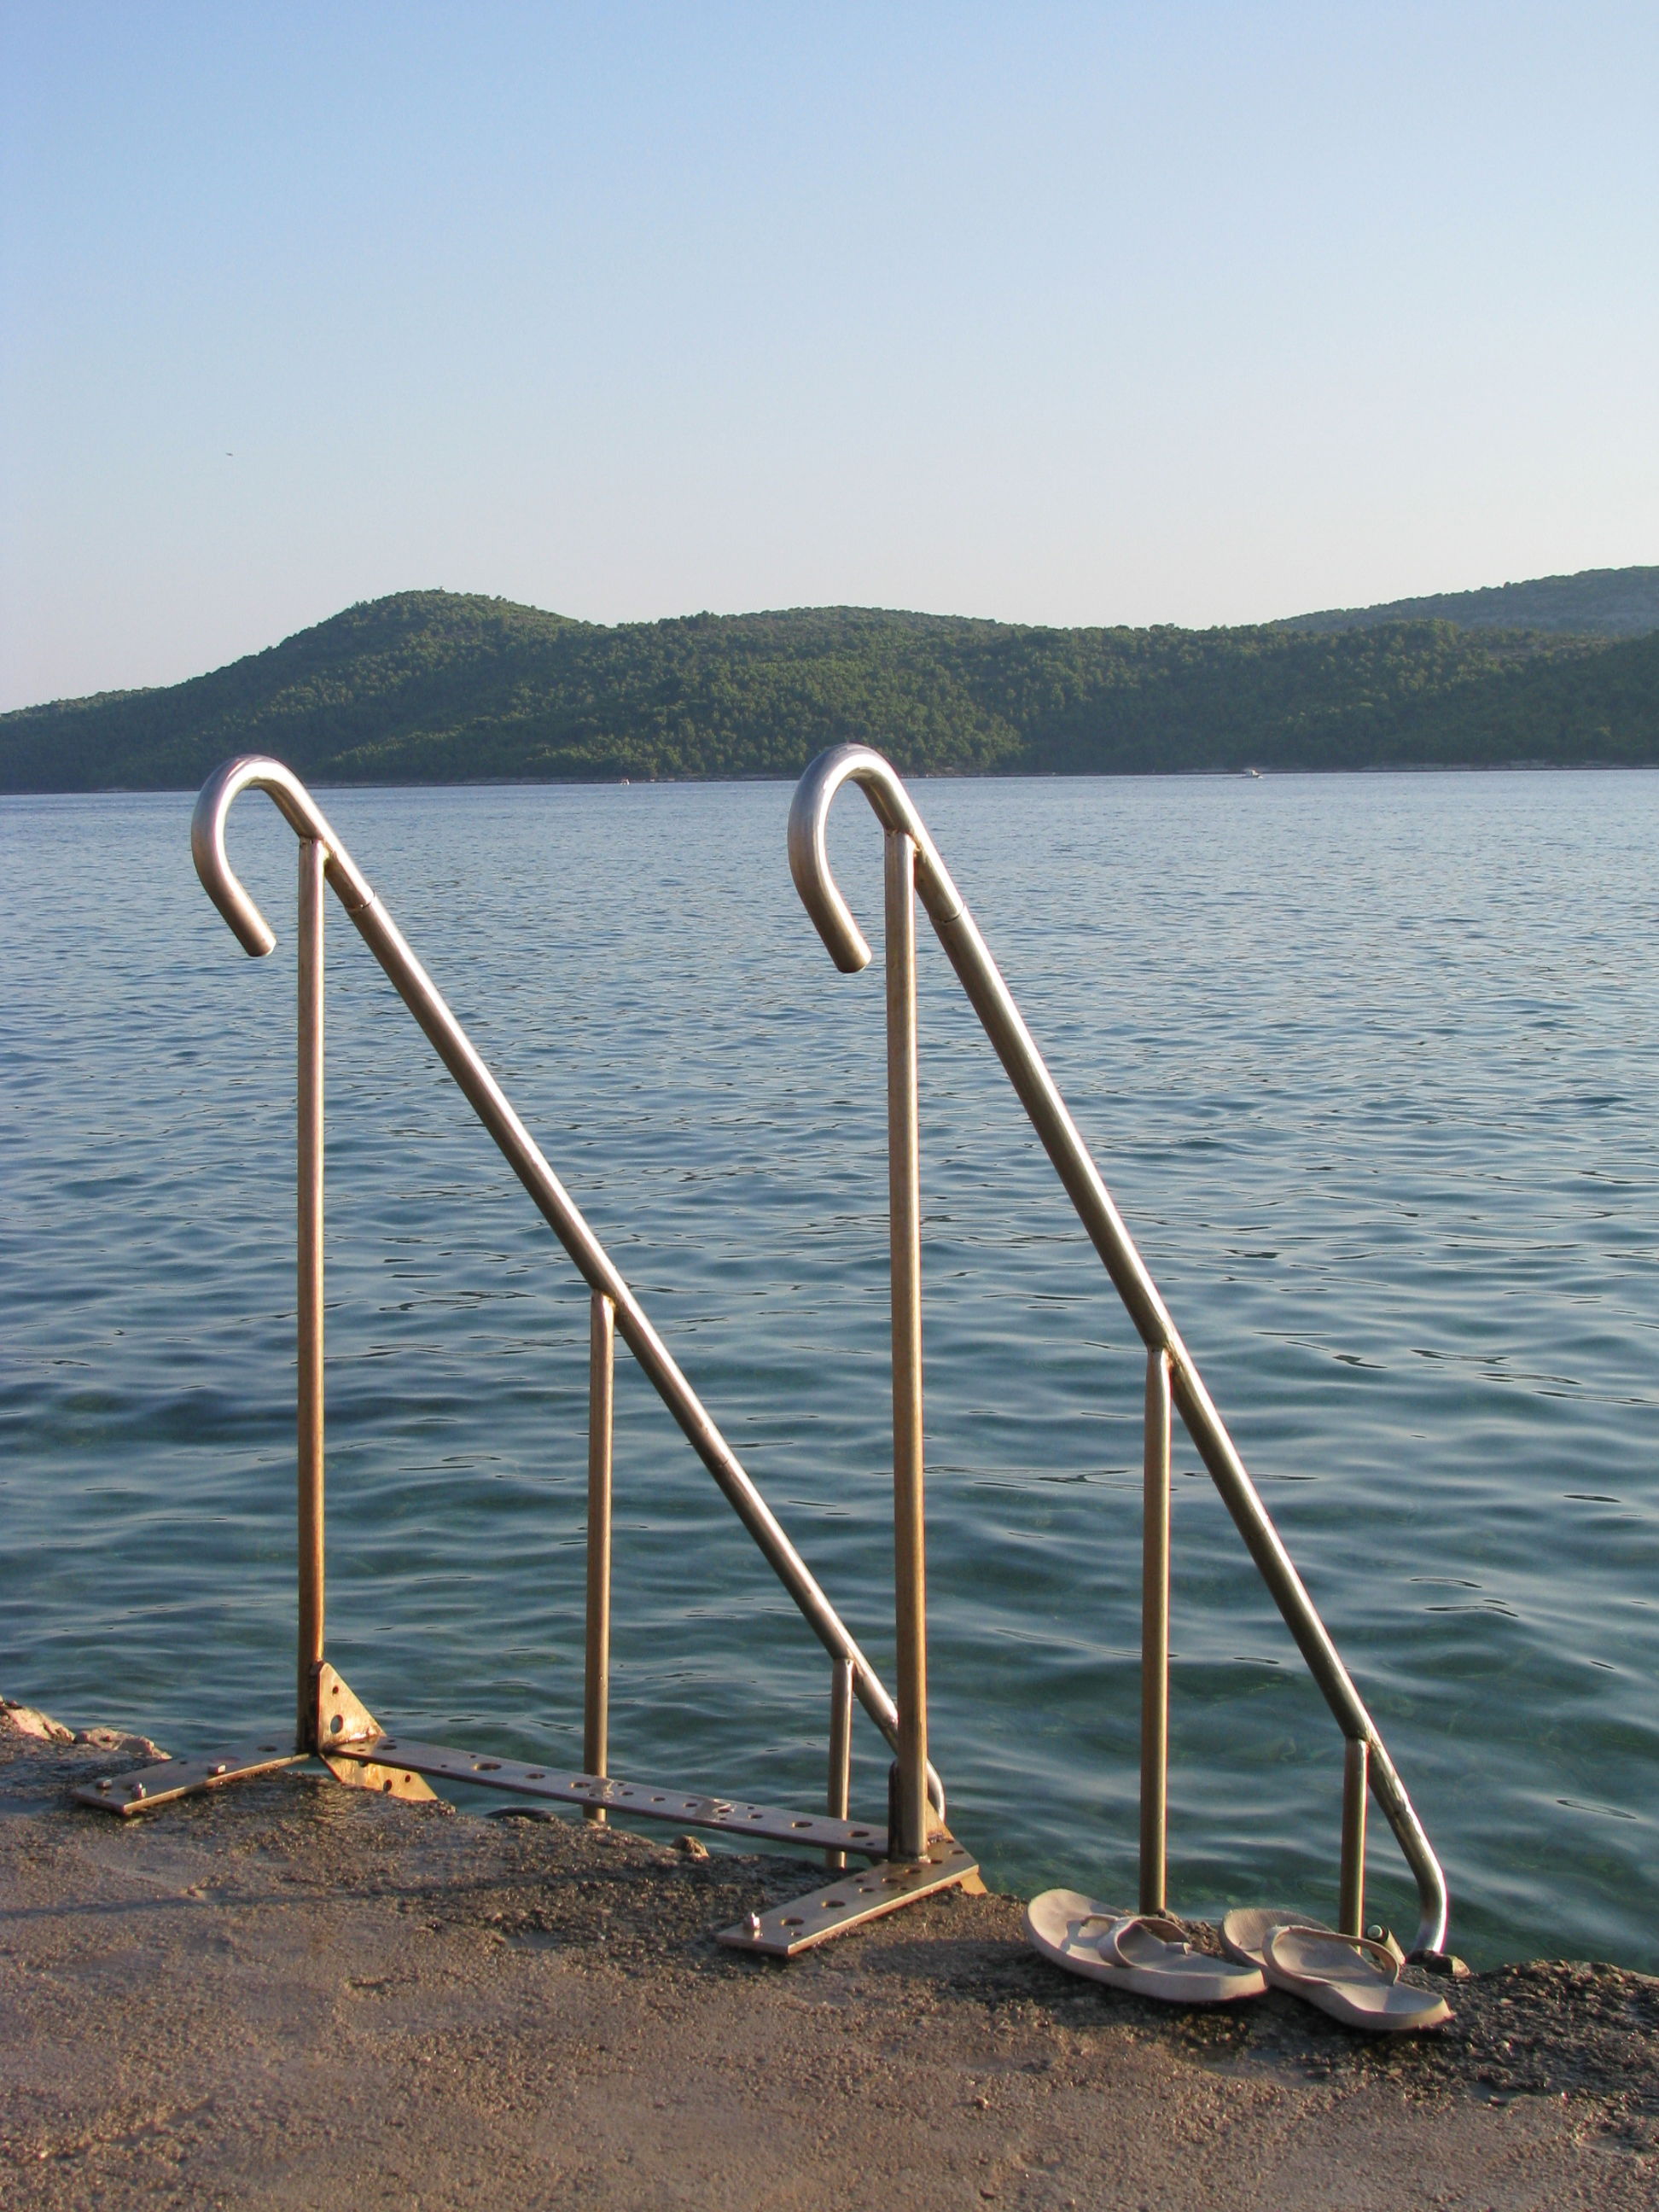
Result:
{"points": [[1370, 1065]]}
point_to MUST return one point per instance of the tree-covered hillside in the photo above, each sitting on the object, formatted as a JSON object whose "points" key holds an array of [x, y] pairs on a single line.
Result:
{"points": [[1594, 603], [440, 687]]}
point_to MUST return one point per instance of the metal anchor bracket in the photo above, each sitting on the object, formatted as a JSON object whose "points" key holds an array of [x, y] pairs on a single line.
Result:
{"points": [[142, 1790], [339, 1716], [343, 1720], [383, 1781], [785, 1931]]}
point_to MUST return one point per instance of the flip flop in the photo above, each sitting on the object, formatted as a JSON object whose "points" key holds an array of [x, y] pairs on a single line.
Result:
{"points": [[1141, 1952], [1245, 1930], [1353, 1977]]}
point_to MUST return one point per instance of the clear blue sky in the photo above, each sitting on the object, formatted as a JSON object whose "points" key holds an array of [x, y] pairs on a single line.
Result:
{"points": [[1061, 313]]}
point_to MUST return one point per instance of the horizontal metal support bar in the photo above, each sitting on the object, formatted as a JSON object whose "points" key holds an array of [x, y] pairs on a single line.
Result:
{"points": [[787, 1930], [142, 1790], [638, 1800]]}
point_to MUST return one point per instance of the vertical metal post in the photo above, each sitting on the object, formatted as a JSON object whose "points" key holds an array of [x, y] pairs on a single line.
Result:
{"points": [[909, 1839], [596, 1683], [838, 1803], [1155, 1639], [308, 1303], [1356, 1778]]}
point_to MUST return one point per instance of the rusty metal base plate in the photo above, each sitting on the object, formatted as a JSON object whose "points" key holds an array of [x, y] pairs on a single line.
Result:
{"points": [[640, 1800], [787, 1930], [142, 1790]]}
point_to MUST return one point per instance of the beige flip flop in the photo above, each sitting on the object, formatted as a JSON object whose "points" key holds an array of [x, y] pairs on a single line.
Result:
{"points": [[1246, 1929], [1353, 1977], [1138, 1951]]}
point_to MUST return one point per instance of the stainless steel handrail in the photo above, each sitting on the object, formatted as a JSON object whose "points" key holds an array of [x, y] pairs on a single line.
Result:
{"points": [[489, 1102], [1366, 1759]]}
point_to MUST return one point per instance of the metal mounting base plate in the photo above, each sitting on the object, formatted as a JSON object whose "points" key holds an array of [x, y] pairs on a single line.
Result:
{"points": [[148, 1787], [787, 1930], [385, 1781], [636, 1800]]}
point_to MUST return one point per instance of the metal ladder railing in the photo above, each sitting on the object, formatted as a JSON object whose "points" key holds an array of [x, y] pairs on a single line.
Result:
{"points": [[915, 1853], [330, 1722], [913, 865]]}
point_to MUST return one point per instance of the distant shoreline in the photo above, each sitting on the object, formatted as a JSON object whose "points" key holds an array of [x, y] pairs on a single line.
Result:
{"points": [[322, 783]]}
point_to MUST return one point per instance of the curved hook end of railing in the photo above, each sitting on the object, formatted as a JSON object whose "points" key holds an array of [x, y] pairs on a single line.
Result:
{"points": [[256, 772], [207, 848], [809, 856]]}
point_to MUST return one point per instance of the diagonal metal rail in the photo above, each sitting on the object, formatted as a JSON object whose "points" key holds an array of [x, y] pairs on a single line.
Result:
{"points": [[1173, 1379]]}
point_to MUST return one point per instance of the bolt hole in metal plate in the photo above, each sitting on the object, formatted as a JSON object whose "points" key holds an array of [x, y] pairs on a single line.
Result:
{"points": [[796, 1926], [164, 1784], [685, 1809]]}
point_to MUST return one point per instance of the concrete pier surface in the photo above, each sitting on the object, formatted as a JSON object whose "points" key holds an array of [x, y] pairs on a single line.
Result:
{"points": [[289, 1994]]}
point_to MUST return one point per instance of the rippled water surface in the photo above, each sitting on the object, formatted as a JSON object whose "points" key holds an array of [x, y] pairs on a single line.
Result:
{"points": [[1370, 1065]]}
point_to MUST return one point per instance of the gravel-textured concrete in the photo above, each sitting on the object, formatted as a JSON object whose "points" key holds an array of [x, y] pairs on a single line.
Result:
{"points": [[290, 1995]]}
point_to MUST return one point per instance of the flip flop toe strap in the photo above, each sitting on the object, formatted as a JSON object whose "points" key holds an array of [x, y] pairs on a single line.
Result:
{"points": [[1363, 1947], [1167, 1932]]}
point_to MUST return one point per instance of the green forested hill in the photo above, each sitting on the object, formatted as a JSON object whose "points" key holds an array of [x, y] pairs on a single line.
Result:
{"points": [[440, 687], [1594, 603]]}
